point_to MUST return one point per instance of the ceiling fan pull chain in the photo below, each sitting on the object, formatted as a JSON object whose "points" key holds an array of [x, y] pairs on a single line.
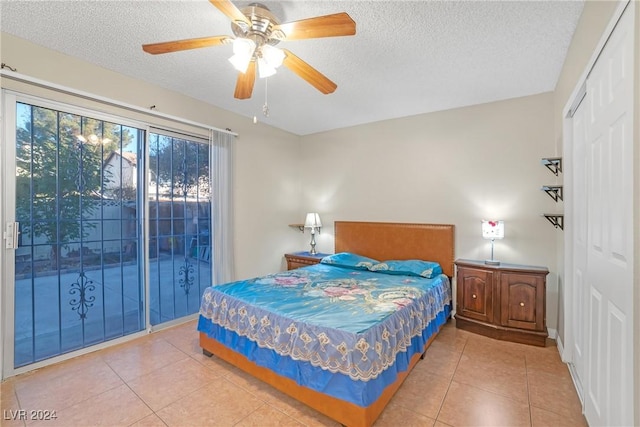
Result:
{"points": [[265, 107]]}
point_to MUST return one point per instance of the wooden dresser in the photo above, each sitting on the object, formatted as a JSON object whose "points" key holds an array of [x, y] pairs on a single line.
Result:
{"points": [[302, 259], [505, 301]]}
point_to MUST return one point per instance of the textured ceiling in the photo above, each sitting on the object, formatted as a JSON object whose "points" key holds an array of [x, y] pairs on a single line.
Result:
{"points": [[407, 57]]}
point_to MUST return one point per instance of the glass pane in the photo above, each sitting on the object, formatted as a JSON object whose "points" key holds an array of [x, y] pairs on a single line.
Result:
{"points": [[78, 274], [180, 214]]}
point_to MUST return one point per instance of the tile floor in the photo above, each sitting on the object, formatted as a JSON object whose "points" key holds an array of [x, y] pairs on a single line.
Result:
{"points": [[164, 380]]}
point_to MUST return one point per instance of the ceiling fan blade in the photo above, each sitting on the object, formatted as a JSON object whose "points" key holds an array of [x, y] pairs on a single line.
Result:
{"points": [[338, 24], [176, 45], [244, 84], [229, 9], [307, 72]]}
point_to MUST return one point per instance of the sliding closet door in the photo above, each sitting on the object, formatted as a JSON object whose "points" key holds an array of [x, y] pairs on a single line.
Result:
{"points": [[608, 284], [579, 245]]}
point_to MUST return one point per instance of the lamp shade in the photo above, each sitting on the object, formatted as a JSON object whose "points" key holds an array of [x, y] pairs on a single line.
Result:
{"points": [[312, 221], [492, 229]]}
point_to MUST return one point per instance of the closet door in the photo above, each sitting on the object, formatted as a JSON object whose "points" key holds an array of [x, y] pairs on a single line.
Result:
{"points": [[579, 243], [609, 282]]}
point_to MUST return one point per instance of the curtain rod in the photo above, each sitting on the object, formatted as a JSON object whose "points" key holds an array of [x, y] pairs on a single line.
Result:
{"points": [[92, 97]]}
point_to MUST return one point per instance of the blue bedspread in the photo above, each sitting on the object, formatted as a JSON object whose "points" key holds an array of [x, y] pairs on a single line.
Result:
{"points": [[320, 320]]}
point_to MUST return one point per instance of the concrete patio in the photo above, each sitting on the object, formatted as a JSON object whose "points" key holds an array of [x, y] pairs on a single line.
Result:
{"points": [[49, 308]]}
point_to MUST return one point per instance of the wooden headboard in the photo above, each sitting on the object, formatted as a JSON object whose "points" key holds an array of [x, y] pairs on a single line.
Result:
{"points": [[387, 240]]}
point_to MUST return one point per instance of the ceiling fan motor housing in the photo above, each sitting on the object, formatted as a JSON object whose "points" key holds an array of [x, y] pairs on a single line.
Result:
{"points": [[261, 29]]}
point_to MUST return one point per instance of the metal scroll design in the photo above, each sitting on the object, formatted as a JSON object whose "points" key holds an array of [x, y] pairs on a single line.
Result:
{"points": [[83, 302], [188, 271]]}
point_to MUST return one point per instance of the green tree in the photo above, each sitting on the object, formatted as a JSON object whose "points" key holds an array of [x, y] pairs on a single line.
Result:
{"points": [[180, 165], [59, 172]]}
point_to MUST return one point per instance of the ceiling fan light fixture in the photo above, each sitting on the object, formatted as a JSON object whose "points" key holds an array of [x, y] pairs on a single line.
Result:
{"points": [[265, 69], [272, 55], [243, 50], [256, 31]]}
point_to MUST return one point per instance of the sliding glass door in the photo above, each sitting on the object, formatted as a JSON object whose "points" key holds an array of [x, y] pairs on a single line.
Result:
{"points": [[179, 202], [114, 222], [78, 265]]}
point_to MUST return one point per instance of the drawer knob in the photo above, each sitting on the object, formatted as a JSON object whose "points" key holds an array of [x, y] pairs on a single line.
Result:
{"points": [[521, 304], [474, 296]]}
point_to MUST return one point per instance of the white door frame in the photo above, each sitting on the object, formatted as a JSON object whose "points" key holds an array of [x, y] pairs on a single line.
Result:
{"points": [[567, 348]]}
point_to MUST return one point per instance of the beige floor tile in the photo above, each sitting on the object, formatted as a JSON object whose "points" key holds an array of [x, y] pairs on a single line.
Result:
{"points": [[256, 387], [215, 364], [172, 382], [219, 404], [277, 399], [422, 392], [466, 405], [440, 359], [12, 415], [546, 360], [395, 415], [496, 351], [465, 379], [452, 337], [554, 393], [268, 416], [132, 361], [543, 418], [149, 421], [299, 411], [116, 407], [183, 336], [507, 378], [60, 386]]}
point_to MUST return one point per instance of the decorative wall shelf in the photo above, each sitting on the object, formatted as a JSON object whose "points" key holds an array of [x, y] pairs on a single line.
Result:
{"points": [[557, 220], [554, 164], [298, 226], [554, 191]]}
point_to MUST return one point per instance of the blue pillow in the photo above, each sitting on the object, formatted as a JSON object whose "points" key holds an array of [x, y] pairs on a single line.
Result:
{"points": [[349, 260], [411, 267]]}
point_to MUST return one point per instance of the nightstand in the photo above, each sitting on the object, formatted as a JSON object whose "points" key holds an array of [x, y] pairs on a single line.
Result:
{"points": [[505, 301], [302, 259]]}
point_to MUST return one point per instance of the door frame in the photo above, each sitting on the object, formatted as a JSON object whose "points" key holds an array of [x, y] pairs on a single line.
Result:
{"points": [[7, 256], [98, 105], [574, 100]]}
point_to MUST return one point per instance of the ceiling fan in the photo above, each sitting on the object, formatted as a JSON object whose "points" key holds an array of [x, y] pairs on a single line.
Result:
{"points": [[256, 32]]}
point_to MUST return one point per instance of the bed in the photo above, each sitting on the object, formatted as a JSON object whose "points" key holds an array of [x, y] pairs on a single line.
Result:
{"points": [[347, 368]]}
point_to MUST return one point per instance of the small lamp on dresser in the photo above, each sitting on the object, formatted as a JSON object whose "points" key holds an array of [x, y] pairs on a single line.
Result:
{"points": [[492, 229], [313, 222]]}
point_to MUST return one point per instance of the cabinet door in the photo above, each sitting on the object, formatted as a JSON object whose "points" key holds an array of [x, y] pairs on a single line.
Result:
{"points": [[522, 301], [293, 264], [475, 294]]}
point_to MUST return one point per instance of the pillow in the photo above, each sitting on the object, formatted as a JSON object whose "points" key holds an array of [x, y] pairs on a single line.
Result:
{"points": [[349, 260], [411, 267]]}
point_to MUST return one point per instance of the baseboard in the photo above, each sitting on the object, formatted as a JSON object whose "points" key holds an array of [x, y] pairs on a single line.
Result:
{"points": [[576, 384], [560, 348], [574, 377], [553, 333]]}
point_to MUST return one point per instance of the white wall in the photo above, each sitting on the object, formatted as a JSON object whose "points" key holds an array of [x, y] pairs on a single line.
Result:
{"points": [[458, 166], [267, 189]]}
